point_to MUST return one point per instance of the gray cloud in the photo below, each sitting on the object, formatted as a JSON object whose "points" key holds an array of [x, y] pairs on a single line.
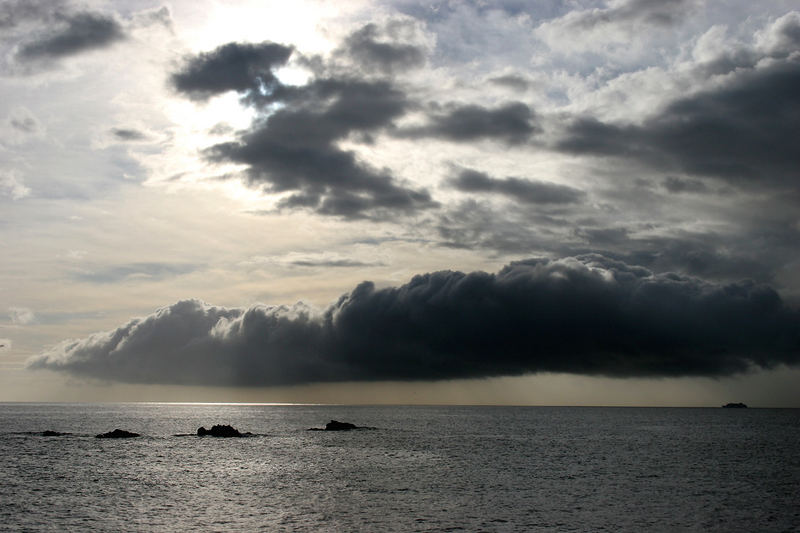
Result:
{"points": [[370, 49], [511, 81], [586, 315], [512, 123], [652, 12], [294, 149], [521, 190], [674, 184], [744, 132], [156, 16], [240, 67], [14, 13], [73, 34], [128, 134], [760, 244], [23, 121]]}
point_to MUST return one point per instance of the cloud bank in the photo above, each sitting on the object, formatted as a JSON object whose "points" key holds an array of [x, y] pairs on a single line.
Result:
{"points": [[584, 315]]}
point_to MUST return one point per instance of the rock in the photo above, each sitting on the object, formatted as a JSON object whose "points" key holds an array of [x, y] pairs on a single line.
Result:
{"points": [[220, 431], [51, 433], [335, 425], [117, 434], [734, 406]]}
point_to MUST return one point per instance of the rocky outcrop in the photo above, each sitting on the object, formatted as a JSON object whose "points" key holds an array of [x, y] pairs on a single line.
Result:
{"points": [[51, 433], [220, 430], [335, 425], [117, 434], [734, 406]]}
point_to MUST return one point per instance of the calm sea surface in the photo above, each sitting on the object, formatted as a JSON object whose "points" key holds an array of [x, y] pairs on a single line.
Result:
{"points": [[421, 469]]}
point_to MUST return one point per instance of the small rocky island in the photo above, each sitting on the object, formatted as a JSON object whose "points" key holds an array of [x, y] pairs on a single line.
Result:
{"points": [[51, 433], [117, 434], [734, 406], [220, 430], [335, 425]]}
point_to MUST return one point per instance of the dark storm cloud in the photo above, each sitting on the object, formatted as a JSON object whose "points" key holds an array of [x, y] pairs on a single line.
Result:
{"points": [[745, 132], [521, 190], [294, 149], [73, 34], [512, 123], [586, 315], [292, 146], [367, 48], [240, 67]]}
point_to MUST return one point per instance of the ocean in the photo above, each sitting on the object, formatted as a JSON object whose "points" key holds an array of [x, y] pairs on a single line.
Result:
{"points": [[420, 469]]}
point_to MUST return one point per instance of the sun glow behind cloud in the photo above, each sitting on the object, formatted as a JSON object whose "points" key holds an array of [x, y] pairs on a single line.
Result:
{"points": [[299, 23]]}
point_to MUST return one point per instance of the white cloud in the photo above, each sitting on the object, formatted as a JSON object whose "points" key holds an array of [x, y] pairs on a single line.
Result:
{"points": [[21, 315]]}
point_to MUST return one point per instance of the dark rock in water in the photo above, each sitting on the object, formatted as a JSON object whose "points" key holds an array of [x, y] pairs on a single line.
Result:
{"points": [[51, 433], [734, 406], [220, 431], [117, 434], [335, 425]]}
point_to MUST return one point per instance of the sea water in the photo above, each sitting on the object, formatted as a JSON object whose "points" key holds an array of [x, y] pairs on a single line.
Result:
{"points": [[419, 469]]}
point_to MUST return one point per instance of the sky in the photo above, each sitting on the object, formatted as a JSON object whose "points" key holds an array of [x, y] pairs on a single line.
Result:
{"points": [[544, 203]]}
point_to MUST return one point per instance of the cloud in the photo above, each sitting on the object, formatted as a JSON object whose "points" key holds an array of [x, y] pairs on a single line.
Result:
{"points": [[521, 190], [376, 47], [577, 28], [159, 16], [511, 81], [761, 244], [21, 315], [743, 132], [512, 123], [11, 186], [142, 271], [15, 13], [585, 315], [23, 121], [295, 149], [782, 37], [651, 12], [676, 185], [128, 134], [292, 148], [240, 67], [73, 34], [312, 260]]}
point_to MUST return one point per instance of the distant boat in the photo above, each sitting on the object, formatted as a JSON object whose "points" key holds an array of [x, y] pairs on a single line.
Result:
{"points": [[734, 406]]}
